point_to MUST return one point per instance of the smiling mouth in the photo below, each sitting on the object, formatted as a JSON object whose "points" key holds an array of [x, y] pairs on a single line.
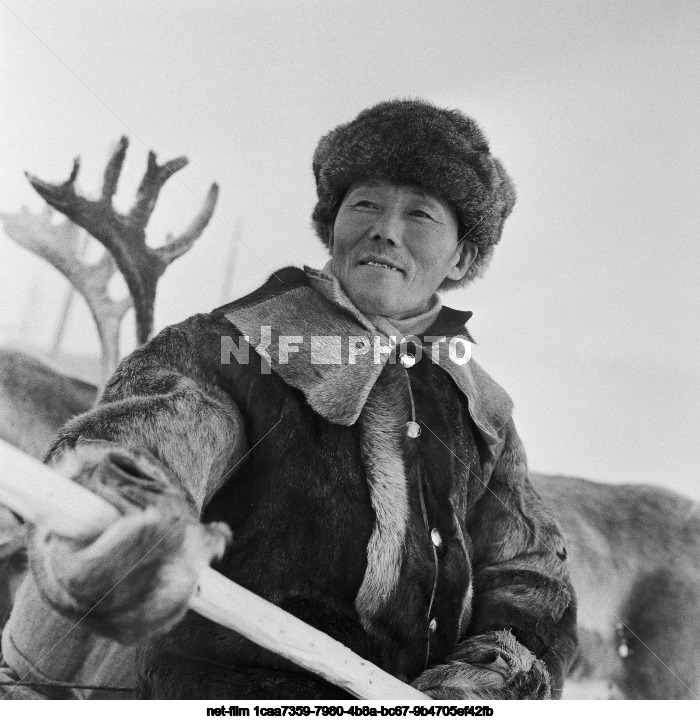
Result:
{"points": [[376, 264]]}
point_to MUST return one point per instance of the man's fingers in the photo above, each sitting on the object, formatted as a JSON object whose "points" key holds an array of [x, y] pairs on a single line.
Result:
{"points": [[12, 533], [132, 543], [207, 543], [135, 535]]}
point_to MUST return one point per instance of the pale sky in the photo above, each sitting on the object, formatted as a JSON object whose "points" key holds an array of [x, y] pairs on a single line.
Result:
{"points": [[588, 314]]}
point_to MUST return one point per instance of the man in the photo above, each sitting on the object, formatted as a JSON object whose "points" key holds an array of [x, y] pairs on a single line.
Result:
{"points": [[372, 477]]}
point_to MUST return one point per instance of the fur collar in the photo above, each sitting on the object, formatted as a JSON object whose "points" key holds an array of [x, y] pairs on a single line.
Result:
{"points": [[315, 345]]}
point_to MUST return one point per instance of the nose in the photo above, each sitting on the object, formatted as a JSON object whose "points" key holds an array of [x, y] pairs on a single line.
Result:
{"points": [[388, 227]]}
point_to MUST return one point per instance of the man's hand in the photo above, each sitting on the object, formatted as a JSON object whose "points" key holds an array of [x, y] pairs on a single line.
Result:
{"points": [[12, 533], [135, 579], [490, 666]]}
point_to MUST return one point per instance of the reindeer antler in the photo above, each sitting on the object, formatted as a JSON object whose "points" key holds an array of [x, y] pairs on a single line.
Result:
{"points": [[60, 245], [125, 235]]}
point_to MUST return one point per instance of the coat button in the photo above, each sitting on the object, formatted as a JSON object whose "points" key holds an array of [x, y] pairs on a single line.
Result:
{"points": [[436, 538], [433, 625], [412, 429], [407, 360]]}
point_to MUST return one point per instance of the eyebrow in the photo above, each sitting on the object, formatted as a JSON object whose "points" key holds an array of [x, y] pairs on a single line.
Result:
{"points": [[427, 198]]}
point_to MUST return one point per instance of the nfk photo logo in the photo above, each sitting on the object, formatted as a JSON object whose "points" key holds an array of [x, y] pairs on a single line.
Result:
{"points": [[280, 349]]}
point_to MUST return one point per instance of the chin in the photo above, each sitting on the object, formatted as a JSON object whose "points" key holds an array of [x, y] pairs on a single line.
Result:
{"points": [[374, 292], [375, 302]]}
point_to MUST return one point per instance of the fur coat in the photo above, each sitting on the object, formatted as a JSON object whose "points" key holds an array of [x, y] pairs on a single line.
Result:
{"points": [[402, 548]]}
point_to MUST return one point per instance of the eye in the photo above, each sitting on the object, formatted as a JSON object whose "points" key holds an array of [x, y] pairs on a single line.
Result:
{"points": [[364, 204], [419, 213]]}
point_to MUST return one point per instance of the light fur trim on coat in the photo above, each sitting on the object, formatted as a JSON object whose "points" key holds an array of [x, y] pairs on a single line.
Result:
{"points": [[382, 437]]}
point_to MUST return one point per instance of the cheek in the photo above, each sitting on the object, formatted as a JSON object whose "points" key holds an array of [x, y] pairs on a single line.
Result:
{"points": [[441, 255], [428, 263], [343, 239], [430, 270]]}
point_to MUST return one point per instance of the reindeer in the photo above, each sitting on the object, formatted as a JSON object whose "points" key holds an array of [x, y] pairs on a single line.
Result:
{"points": [[634, 556], [634, 550], [31, 390], [36, 399]]}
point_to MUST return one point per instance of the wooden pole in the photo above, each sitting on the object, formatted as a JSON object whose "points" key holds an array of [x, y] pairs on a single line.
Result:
{"points": [[42, 496]]}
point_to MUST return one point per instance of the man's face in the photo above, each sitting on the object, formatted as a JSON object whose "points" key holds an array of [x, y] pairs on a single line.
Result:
{"points": [[382, 224]]}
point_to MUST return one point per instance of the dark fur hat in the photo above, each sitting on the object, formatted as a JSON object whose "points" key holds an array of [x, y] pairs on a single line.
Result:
{"points": [[412, 141]]}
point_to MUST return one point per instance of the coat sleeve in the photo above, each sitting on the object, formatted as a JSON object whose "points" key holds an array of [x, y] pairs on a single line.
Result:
{"points": [[521, 581], [162, 400]]}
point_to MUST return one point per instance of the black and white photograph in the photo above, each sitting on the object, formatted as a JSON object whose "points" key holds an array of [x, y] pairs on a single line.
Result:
{"points": [[349, 355]]}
